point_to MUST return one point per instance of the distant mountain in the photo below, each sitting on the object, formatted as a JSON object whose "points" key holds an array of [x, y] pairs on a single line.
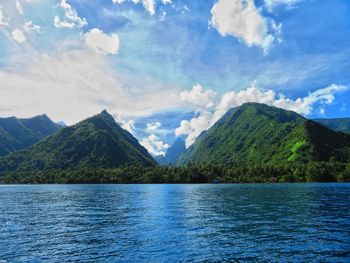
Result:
{"points": [[173, 153], [18, 134], [97, 142], [338, 124], [257, 134], [176, 149], [61, 123]]}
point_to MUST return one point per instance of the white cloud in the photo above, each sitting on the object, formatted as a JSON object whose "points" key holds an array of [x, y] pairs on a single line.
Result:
{"points": [[233, 99], [29, 26], [272, 4], [305, 106], [153, 126], [242, 19], [71, 18], [101, 42], [73, 85], [3, 20], [149, 5], [156, 128], [18, 36], [128, 125], [19, 8], [154, 145], [194, 127], [198, 97]]}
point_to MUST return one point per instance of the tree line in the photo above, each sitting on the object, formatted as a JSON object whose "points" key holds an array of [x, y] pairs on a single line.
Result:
{"points": [[310, 172]]}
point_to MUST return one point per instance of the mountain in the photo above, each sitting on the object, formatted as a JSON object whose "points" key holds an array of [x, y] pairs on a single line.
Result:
{"points": [[338, 124], [18, 134], [61, 124], [97, 142], [176, 149], [256, 134], [173, 152]]}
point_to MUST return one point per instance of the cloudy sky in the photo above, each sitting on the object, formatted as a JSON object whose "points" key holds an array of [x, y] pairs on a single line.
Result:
{"points": [[167, 68]]}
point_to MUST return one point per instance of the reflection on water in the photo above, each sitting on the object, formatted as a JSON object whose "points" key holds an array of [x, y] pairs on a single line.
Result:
{"points": [[262, 222]]}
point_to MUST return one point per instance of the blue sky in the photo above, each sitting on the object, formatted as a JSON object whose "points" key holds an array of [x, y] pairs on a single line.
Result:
{"points": [[167, 68]]}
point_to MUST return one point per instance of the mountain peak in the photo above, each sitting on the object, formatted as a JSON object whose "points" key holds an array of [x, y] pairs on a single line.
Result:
{"points": [[104, 112], [95, 142], [256, 133], [43, 117]]}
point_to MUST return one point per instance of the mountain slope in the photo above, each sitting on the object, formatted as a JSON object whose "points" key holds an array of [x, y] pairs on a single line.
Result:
{"points": [[18, 134], [338, 124], [176, 149], [95, 142], [173, 153], [256, 133]]}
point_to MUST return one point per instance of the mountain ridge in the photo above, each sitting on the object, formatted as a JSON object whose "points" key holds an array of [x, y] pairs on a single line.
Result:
{"points": [[20, 133], [97, 141], [257, 133]]}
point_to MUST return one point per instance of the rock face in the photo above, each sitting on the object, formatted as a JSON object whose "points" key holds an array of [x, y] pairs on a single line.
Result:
{"points": [[18, 134], [97, 142], [256, 133]]}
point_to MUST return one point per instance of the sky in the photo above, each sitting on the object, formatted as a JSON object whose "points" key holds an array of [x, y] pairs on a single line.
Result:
{"points": [[170, 68]]}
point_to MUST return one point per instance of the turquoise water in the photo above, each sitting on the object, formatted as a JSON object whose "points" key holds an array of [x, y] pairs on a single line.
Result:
{"points": [[170, 223]]}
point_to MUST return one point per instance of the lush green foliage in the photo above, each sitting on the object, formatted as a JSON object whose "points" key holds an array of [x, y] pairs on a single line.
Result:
{"points": [[256, 134], [311, 172], [96, 142], [338, 124], [17, 134], [251, 143]]}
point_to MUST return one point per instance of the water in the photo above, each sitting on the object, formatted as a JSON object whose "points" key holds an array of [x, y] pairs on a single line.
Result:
{"points": [[167, 223]]}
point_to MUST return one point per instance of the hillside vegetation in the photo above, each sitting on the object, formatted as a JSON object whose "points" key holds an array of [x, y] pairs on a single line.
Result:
{"points": [[257, 134]]}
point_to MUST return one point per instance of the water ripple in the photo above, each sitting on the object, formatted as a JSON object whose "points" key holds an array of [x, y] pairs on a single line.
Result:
{"points": [[172, 223]]}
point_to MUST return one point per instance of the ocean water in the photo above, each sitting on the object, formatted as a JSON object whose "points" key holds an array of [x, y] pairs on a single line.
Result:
{"points": [[175, 223]]}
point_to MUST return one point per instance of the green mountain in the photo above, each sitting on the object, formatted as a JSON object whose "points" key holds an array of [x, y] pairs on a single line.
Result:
{"points": [[338, 124], [173, 153], [18, 134], [97, 142], [258, 134]]}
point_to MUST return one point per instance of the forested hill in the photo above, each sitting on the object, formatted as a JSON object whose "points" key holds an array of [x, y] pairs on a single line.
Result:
{"points": [[18, 134], [97, 142], [256, 134]]}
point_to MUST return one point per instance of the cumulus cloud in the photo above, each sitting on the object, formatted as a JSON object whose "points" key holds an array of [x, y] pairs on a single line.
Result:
{"points": [[272, 4], [18, 36], [100, 42], [194, 127], [128, 125], [71, 18], [149, 5], [154, 145], [242, 19], [305, 106], [198, 97]]}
